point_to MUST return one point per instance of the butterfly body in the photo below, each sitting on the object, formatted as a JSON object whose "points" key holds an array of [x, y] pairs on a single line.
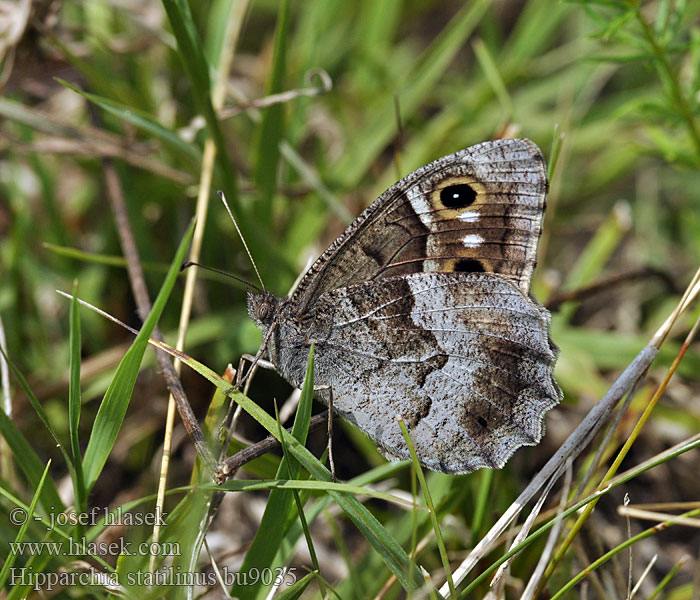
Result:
{"points": [[421, 309]]}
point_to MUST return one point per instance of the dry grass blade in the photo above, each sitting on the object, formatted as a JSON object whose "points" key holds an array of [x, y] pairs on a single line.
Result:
{"points": [[552, 538], [643, 576], [114, 148], [14, 18], [4, 374], [59, 137], [325, 85], [5, 465], [691, 292], [498, 580], [651, 515]]}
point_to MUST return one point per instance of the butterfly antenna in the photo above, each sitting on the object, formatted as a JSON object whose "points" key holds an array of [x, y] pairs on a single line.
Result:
{"points": [[235, 224], [191, 263]]}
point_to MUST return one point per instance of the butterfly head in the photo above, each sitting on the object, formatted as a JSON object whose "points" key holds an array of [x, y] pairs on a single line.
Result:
{"points": [[263, 308]]}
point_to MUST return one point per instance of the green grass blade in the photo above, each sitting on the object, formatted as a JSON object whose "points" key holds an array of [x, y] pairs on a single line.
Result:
{"points": [[293, 465], [74, 405], [102, 259], [431, 507], [294, 591], [481, 507], [194, 60], [11, 557], [271, 129], [141, 120], [116, 400], [95, 76], [279, 511], [245, 485], [23, 453], [596, 255], [489, 66]]}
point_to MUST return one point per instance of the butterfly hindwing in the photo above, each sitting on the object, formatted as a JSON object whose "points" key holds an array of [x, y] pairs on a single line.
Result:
{"points": [[465, 359]]}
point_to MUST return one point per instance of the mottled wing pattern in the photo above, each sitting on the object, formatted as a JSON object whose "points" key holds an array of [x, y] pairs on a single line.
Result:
{"points": [[465, 359], [422, 309], [478, 210]]}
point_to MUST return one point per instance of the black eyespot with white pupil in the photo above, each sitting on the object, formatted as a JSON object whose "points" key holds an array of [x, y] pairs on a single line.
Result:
{"points": [[460, 195]]}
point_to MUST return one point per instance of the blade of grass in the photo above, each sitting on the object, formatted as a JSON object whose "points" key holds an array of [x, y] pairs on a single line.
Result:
{"points": [[272, 126], [294, 466], [116, 400], [493, 75], [429, 503], [141, 120], [95, 76], [197, 68], [244, 485], [24, 454], [294, 591], [29, 518], [74, 407], [481, 506], [279, 510], [596, 254]]}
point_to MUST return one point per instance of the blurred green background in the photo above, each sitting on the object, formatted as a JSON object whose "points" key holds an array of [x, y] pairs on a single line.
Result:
{"points": [[609, 90]]}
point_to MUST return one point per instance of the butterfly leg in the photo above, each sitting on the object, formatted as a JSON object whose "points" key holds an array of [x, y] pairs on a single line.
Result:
{"points": [[255, 361], [331, 462], [260, 362], [228, 425]]}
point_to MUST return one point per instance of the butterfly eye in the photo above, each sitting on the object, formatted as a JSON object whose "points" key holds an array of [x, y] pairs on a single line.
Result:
{"points": [[263, 311], [457, 196]]}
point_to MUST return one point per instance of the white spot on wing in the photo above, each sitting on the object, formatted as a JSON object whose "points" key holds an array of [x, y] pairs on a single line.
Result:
{"points": [[420, 204], [470, 216], [472, 239]]}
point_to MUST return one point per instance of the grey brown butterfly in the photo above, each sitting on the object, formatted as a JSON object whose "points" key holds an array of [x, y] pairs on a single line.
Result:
{"points": [[422, 309]]}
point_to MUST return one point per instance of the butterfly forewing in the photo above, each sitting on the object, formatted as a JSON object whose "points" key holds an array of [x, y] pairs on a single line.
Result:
{"points": [[478, 210]]}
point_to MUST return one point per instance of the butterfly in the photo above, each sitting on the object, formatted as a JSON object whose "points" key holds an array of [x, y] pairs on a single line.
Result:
{"points": [[422, 309]]}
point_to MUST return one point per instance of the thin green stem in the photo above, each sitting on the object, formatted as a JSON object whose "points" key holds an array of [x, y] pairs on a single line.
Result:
{"points": [[676, 93], [626, 544], [431, 507]]}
